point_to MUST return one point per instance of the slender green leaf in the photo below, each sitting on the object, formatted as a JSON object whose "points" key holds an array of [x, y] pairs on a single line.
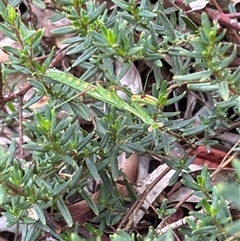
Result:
{"points": [[147, 14], [200, 76], [61, 188], [165, 141], [135, 147], [90, 202], [34, 147], [206, 23], [39, 213], [63, 30], [40, 4], [169, 30], [193, 130], [231, 102], [176, 65], [97, 12], [134, 50], [227, 61], [2, 194], [203, 87], [64, 211], [177, 125], [224, 90], [206, 230], [175, 99], [7, 31], [190, 24], [92, 168], [85, 56]]}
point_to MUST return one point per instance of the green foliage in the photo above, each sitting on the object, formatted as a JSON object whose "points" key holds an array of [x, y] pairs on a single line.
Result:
{"points": [[122, 235], [137, 124]]}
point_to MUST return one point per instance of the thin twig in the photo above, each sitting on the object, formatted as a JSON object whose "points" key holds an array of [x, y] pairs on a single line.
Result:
{"points": [[139, 202], [225, 161], [235, 237], [14, 95], [220, 167], [217, 6], [174, 225], [20, 126], [179, 204]]}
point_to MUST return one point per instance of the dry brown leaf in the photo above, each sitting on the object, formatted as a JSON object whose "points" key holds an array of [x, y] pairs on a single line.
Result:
{"points": [[131, 79]]}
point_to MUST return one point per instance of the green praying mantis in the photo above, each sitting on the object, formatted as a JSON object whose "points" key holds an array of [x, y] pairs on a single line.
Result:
{"points": [[100, 93]]}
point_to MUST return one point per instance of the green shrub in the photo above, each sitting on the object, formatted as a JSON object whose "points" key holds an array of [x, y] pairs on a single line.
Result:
{"points": [[137, 124]]}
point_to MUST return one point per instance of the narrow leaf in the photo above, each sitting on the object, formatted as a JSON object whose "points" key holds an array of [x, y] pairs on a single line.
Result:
{"points": [[2, 194], [63, 30], [224, 90], [90, 202], [64, 211], [39, 213], [175, 99], [194, 130], [201, 76], [181, 123], [169, 30], [165, 142], [59, 189], [227, 61], [92, 168], [203, 87]]}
